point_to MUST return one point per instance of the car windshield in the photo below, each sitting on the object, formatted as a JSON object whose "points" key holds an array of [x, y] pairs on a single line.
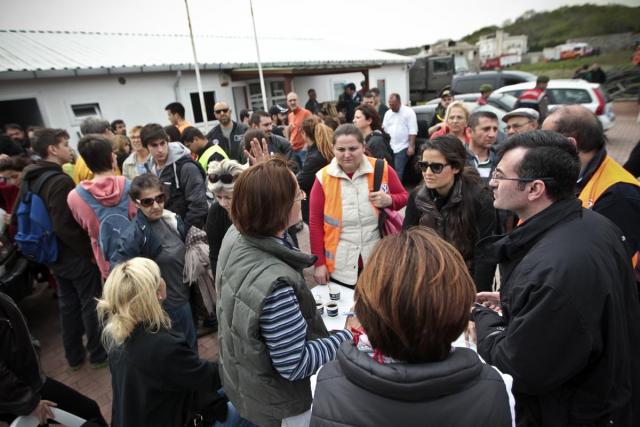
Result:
{"points": [[504, 101]]}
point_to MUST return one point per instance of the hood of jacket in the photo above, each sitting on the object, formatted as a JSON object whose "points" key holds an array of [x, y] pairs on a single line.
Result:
{"points": [[33, 171], [106, 190], [410, 382], [176, 152]]}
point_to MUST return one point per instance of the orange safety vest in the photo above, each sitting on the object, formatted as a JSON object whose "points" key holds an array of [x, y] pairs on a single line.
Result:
{"points": [[608, 173], [332, 188]]}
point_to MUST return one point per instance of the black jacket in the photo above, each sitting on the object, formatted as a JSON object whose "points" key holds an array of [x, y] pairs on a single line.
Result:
{"points": [[378, 145], [355, 390], [307, 175], [20, 376], [620, 203], [158, 380], [218, 222], [73, 241], [633, 162], [233, 148], [570, 330], [424, 209]]}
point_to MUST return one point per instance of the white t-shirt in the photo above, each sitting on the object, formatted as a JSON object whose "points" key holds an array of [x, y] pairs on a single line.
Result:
{"points": [[399, 126]]}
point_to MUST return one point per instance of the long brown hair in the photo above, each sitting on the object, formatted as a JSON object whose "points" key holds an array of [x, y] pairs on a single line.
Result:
{"points": [[414, 296], [320, 135]]}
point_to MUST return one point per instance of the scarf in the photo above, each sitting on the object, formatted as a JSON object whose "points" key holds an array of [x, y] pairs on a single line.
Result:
{"points": [[197, 267]]}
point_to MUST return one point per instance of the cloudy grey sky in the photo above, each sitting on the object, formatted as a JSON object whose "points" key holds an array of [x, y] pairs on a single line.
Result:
{"points": [[371, 23]]}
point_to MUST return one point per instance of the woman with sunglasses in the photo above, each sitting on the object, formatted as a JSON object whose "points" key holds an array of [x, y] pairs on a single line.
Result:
{"points": [[222, 177], [343, 209], [455, 122], [159, 234], [455, 203]]}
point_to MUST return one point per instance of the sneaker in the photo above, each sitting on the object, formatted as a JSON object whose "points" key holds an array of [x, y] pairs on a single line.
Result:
{"points": [[76, 368], [99, 365]]}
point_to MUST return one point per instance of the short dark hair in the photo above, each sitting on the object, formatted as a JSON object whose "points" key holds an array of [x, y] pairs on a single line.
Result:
{"points": [[263, 196], [351, 86], [255, 117], [375, 91], [244, 113], [190, 133], [173, 133], [370, 113], [475, 117], [175, 108], [13, 126], [249, 135], [97, 152], [369, 94], [115, 123], [43, 138], [152, 132], [396, 96], [144, 182], [549, 155], [310, 90], [348, 129], [426, 276], [15, 163], [580, 123]]}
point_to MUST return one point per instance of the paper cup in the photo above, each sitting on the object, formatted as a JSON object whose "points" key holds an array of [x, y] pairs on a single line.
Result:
{"points": [[332, 309]]}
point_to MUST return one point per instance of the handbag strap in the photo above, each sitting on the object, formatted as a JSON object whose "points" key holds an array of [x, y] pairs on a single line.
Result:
{"points": [[377, 174]]}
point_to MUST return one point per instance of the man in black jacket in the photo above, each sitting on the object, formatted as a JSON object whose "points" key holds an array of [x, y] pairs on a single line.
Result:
{"points": [[23, 386], [277, 144], [78, 277], [228, 134], [569, 331]]}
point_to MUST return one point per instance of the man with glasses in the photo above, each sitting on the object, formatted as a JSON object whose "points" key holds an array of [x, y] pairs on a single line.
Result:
{"points": [[568, 331], [227, 134], [521, 120]]}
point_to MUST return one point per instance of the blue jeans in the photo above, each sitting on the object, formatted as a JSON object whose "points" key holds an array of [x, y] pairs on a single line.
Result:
{"points": [[182, 321], [233, 416], [299, 156], [400, 160]]}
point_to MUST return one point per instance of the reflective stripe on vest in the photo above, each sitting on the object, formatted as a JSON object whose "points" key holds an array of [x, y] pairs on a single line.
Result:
{"points": [[214, 149], [608, 173], [332, 188]]}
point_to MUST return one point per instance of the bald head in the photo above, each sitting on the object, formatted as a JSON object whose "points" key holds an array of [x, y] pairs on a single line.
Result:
{"points": [[223, 113], [579, 123], [292, 101]]}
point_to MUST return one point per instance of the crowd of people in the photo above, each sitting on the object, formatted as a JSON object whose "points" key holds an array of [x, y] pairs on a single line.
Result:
{"points": [[527, 248]]}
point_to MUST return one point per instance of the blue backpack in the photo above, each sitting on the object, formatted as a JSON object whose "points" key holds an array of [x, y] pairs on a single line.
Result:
{"points": [[113, 220], [35, 236]]}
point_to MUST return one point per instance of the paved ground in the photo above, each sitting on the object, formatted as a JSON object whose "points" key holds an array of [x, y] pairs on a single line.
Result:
{"points": [[42, 314]]}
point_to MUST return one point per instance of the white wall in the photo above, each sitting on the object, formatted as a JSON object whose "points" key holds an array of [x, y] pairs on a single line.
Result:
{"points": [[140, 100], [396, 80]]}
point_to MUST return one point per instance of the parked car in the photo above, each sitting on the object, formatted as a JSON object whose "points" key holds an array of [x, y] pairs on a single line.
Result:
{"points": [[471, 82], [566, 92]]}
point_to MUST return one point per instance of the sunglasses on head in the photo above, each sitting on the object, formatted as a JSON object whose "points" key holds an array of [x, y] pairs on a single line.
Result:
{"points": [[435, 167], [222, 110], [148, 201], [225, 178]]}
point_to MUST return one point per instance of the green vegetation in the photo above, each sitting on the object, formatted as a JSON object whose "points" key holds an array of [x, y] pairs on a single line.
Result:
{"points": [[564, 69], [545, 29]]}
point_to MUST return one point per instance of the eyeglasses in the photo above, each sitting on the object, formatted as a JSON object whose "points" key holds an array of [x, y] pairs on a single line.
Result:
{"points": [[500, 177], [301, 196], [435, 167], [147, 202], [222, 110], [225, 178]]}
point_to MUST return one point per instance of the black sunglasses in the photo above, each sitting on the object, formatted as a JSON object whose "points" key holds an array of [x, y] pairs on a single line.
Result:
{"points": [[148, 201], [222, 110], [225, 178], [435, 167]]}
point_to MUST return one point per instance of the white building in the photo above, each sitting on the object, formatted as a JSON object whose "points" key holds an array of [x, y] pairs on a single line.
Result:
{"points": [[56, 79], [499, 44]]}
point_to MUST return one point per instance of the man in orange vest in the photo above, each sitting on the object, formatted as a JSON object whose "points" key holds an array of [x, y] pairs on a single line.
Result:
{"points": [[603, 185]]}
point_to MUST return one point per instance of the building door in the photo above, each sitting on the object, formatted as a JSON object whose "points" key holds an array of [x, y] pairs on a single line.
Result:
{"points": [[24, 112]]}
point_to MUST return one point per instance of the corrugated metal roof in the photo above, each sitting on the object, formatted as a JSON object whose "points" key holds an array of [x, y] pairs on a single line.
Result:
{"points": [[32, 51]]}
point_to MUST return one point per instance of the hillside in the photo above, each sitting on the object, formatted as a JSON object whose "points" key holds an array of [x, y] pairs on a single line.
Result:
{"points": [[552, 28]]}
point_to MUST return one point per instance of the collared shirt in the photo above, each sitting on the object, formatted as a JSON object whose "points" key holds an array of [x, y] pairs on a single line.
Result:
{"points": [[400, 126], [296, 117]]}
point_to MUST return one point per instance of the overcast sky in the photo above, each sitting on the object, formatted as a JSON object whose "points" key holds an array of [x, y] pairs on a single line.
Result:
{"points": [[371, 23]]}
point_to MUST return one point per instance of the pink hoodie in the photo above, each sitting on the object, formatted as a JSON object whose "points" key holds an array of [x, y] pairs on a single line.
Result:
{"points": [[108, 191]]}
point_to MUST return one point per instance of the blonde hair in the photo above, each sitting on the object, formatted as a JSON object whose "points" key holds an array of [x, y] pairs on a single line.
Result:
{"points": [[130, 298], [120, 142], [457, 104]]}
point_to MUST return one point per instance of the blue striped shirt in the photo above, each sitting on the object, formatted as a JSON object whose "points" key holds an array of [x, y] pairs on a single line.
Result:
{"points": [[284, 331]]}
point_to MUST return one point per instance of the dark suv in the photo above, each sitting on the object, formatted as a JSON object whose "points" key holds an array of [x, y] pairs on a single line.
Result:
{"points": [[471, 82]]}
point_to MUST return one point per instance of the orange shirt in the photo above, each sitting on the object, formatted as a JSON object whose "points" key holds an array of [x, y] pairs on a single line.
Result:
{"points": [[296, 118]]}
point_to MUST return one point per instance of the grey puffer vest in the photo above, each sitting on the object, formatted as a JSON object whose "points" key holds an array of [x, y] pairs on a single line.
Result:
{"points": [[247, 271]]}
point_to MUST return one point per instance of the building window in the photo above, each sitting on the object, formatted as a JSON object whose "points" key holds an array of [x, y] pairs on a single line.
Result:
{"points": [[209, 102], [277, 92], [255, 97], [82, 111], [382, 87]]}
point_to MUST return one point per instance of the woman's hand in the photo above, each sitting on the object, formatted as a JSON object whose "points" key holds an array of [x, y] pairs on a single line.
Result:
{"points": [[380, 199], [321, 275], [259, 152], [489, 299], [43, 411]]}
